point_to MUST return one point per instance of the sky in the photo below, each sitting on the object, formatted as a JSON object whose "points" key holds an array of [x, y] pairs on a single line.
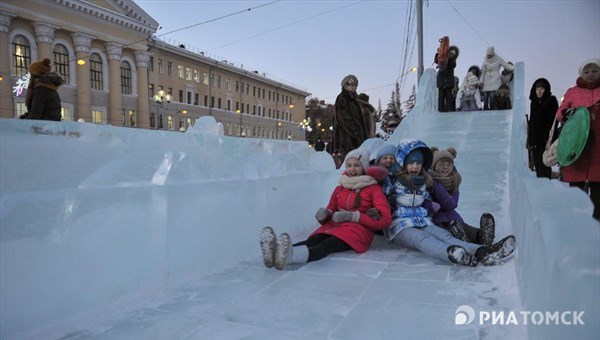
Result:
{"points": [[314, 44], [151, 234]]}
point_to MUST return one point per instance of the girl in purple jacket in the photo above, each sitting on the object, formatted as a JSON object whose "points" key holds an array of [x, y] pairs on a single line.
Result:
{"points": [[446, 181]]}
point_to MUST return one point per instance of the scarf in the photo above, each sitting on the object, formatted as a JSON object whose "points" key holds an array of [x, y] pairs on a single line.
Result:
{"points": [[356, 182], [450, 182]]}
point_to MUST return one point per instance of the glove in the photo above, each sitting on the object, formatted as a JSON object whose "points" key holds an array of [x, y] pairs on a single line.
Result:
{"points": [[343, 216], [374, 213], [322, 214], [435, 207]]}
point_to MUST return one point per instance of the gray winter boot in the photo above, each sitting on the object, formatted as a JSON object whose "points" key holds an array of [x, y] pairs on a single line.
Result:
{"points": [[283, 251], [268, 245]]}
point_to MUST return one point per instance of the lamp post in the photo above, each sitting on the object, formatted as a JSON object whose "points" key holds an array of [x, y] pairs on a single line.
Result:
{"points": [[305, 125], [161, 97]]}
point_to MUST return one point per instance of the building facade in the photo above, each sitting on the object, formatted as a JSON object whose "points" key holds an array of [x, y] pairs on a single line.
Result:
{"points": [[118, 72]]}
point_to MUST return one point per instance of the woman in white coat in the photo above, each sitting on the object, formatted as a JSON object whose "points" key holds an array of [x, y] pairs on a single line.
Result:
{"points": [[490, 76]]}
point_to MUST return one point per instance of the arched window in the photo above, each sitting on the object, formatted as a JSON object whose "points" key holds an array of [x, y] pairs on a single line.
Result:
{"points": [[125, 78], [21, 55], [96, 72], [61, 62]]}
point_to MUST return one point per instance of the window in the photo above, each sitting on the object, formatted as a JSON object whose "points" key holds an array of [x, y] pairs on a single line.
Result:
{"points": [[21, 55], [228, 84], [66, 114], [196, 76], [169, 68], [151, 90], [189, 97], [253, 91], [196, 98], [96, 72], [180, 71], [188, 74], [212, 101], [151, 64], [170, 122], [219, 82], [131, 118], [161, 70], [181, 96], [212, 80], [206, 101], [125, 78], [97, 117], [228, 104], [152, 120], [61, 62], [205, 78], [218, 103]]}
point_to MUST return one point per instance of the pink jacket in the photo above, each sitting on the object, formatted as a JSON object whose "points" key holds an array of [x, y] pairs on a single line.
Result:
{"points": [[587, 167], [359, 235]]}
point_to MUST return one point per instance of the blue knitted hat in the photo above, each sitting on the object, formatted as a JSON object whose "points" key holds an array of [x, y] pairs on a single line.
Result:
{"points": [[414, 156], [387, 149]]}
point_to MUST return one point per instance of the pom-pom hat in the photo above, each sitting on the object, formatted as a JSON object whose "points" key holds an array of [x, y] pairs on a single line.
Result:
{"points": [[41, 67], [361, 155]]}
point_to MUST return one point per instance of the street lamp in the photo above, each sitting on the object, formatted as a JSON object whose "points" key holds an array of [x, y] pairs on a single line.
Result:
{"points": [[305, 125], [161, 97]]}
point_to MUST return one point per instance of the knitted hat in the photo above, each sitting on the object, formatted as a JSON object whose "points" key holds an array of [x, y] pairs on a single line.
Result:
{"points": [[40, 67], [594, 61], [361, 155], [350, 80], [386, 149], [490, 51], [449, 154], [414, 156]]}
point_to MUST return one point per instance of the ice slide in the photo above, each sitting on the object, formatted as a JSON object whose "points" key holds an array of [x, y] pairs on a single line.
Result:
{"points": [[116, 233]]}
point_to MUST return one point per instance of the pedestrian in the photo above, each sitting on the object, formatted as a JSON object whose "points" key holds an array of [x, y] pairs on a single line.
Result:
{"points": [[445, 79], [584, 173], [502, 98], [542, 111], [345, 224], [349, 131], [409, 196], [468, 97], [319, 145], [42, 99], [490, 76], [446, 185]]}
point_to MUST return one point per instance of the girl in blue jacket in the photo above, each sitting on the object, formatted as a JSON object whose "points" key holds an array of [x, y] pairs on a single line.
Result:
{"points": [[409, 196]]}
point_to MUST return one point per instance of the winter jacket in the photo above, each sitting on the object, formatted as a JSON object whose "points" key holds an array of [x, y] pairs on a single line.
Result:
{"points": [[448, 203], [43, 100], [541, 114], [445, 75], [465, 93], [349, 131], [358, 236], [410, 208], [490, 73], [502, 98], [587, 166]]}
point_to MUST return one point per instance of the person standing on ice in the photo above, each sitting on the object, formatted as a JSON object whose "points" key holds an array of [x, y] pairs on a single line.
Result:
{"points": [[446, 184], [412, 227], [468, 97], [585, 171], [345, 224], [490, 76], [445, 80], [349, 130], [541, 117]]}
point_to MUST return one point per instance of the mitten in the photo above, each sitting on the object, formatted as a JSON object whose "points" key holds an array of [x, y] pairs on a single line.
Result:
{"points": [[322, 214], [435, 207], [374, 213], [568, 113], [343, 216]]}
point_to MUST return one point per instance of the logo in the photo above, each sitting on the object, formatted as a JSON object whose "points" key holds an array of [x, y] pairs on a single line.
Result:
{"points": [[464, 315]]}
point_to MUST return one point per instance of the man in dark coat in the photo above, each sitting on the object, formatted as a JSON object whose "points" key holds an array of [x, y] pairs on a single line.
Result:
{"points": [[348, 128], [445, 79], [42, 99]]}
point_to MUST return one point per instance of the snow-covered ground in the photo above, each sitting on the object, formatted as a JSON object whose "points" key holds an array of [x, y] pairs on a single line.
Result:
{"points": [[115, 233]]}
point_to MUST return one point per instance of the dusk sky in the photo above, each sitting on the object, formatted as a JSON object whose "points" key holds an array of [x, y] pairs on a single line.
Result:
{"points": [[312, 45]]}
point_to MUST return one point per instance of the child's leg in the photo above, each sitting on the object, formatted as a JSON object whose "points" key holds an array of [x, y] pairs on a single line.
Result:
{"points": [[426, 243], [328, 245], [446, 237], [312, 241]]}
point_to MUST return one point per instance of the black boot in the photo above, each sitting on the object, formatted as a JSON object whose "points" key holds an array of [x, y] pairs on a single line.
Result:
{"points": [[457, 230], [489, 256], [487, 230]]}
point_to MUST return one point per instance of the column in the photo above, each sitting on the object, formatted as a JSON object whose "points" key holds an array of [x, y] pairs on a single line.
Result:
{"points": [[142, 119], [44, 36], [82, 43], [6, 100], [115, 98]]}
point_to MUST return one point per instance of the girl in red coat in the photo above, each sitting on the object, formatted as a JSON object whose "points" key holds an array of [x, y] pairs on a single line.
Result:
{"points": [[585, 171], [345, 224]]}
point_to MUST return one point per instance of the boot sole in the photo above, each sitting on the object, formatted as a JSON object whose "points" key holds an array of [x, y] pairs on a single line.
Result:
{"points": [[268, 245], [282, 252]]}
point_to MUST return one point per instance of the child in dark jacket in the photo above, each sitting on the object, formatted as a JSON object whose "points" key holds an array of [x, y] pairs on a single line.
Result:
{"points": [[345, 223], [446, 182]]}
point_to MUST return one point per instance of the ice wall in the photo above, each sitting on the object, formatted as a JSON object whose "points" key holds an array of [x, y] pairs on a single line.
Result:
{"points": [[93, 214]]}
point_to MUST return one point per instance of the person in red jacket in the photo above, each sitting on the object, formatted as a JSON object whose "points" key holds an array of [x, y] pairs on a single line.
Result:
{"points": [[584, 173], [345, 223]]}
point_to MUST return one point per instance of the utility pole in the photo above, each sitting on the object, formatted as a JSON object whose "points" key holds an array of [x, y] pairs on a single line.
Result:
{"points": [[420, 38]]}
